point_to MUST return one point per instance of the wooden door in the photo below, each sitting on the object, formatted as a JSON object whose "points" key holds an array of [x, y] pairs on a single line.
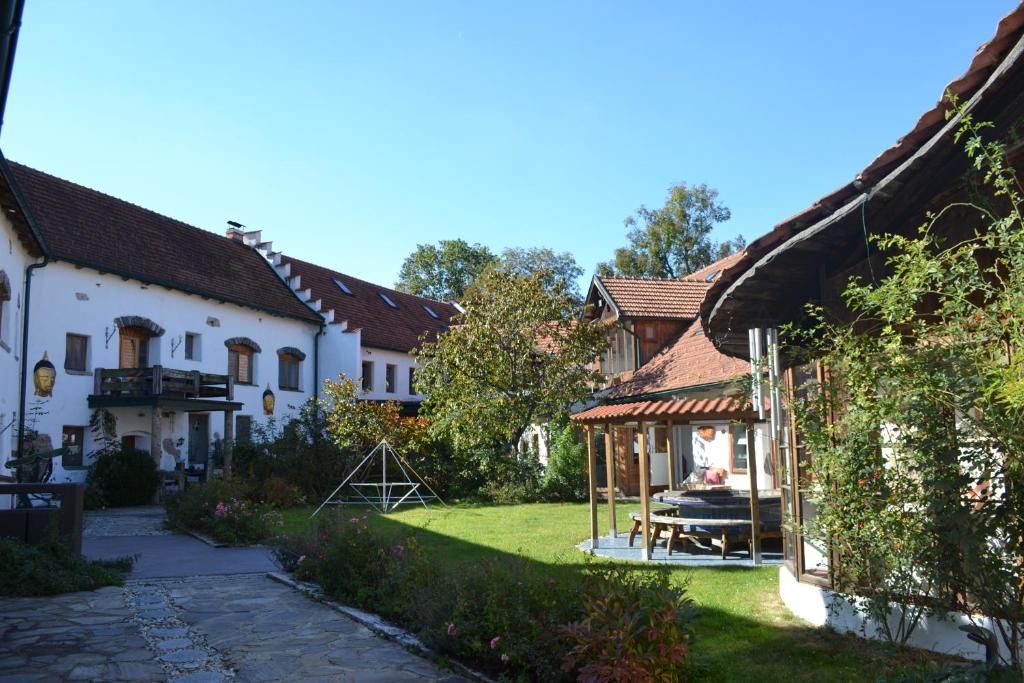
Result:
{"points": [[134, 348], [198, 438], [627, 459]]}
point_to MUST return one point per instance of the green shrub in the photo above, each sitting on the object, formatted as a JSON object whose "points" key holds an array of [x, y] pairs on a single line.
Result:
{"points": [[51, 568], [278, 493], [633, 628], [119, 477], [224, 509], [566, 474]]}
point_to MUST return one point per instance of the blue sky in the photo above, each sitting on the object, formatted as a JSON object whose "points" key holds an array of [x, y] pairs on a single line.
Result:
{"points": [[350, 132]]}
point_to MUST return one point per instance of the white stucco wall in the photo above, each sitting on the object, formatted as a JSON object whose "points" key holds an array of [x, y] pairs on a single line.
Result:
{"points": [[82, 301], [13, 261], [380, 359], [822, 607], [339, 353]]}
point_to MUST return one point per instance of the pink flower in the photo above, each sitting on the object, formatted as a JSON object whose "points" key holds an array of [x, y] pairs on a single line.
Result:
{"points": [[504, 659], [494, 642], [221, 510], [451, 630]]}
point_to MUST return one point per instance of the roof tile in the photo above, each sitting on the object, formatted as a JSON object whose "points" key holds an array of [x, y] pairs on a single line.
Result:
{"points": [[384, 327], [93, 229]]}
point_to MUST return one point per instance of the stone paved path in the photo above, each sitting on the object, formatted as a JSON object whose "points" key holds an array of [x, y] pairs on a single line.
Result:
{"points": [[196, 630], [221, 625]]}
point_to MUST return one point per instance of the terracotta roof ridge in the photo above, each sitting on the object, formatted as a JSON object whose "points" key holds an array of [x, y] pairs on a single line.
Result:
{"points": [[93, 190], [645, 278]]}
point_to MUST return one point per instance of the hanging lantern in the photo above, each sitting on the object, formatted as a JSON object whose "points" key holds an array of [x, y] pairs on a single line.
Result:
{"points": [[268, 401], [44, 375]]}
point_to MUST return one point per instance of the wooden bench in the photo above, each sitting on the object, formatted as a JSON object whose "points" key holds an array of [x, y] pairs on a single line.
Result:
{"points": [[668, 520]]}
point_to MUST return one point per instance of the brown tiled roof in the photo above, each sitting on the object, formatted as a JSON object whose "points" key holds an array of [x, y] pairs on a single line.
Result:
{"points": [[713, 272], [689, 360], [639, 297], [668, 298], [988, 57], [92, 229], [719, 407], [383, 327]]}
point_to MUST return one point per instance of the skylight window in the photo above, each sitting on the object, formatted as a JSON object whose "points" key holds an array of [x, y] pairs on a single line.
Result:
{"points": [[387, 300], [430, 310], [711, 276], [343, 287]]}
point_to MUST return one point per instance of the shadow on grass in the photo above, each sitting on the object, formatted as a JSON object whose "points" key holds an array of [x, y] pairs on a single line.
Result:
{"points": [[743, 631]]}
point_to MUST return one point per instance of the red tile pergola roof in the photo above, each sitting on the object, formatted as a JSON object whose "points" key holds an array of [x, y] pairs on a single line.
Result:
{"points": [[92, 229], [720, 407], [383, 327]]}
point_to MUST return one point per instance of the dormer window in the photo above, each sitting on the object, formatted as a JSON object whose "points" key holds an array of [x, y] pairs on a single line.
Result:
{"points": [[430, 310], [343, 287], [387, 300]]}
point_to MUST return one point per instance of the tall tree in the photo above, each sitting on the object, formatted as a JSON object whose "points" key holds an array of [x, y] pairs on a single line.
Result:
{"points": [[556, 269], [443, 271], [674, 240], [517, 355]]}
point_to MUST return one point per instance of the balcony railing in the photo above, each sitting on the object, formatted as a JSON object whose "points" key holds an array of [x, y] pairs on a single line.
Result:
{"points": [[161, 381]]}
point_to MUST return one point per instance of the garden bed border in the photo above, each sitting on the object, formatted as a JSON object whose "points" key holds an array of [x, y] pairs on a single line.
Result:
{"points": [[378, 625]]}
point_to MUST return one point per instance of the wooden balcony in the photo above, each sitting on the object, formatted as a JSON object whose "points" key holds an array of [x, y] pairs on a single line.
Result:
{"points": [[159, 386]]}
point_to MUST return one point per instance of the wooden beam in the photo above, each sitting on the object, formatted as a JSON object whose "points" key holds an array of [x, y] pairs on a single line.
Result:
{"points": [[645, 493], [609, 460], [671, 459], [588, 431], [755, 507]]}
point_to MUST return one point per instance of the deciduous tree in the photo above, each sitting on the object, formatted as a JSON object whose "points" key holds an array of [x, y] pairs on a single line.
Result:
{"points": [[517, 355], [674, 240]]}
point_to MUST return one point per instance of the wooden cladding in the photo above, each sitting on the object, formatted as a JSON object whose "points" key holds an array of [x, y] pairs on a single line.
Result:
{"points": [[134, 347]]}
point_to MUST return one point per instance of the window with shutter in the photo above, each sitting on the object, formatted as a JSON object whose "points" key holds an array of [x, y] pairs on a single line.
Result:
{"points": [[240, 363]]}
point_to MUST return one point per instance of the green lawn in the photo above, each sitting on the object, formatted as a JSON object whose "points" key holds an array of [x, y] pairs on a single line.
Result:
{"points": [[743, 630]]}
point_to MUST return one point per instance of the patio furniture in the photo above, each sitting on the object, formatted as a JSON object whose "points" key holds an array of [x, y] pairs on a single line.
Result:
{"points": [[720, 517]]}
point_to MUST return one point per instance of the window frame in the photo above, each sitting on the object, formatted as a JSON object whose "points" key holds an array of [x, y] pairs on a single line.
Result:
{"points": [[732, 449], [287, 361], [412, 380], [366, 378], [76, 460], [68, 337], [193, 344], [390, 378]]}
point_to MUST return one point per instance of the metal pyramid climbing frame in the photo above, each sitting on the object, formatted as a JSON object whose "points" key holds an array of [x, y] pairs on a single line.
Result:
{"points": [[369, 483]]}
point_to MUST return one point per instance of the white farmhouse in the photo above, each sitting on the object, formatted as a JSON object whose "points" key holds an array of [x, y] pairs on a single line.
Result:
{"points": [[181, 334], [20, 248], [371, 331]]}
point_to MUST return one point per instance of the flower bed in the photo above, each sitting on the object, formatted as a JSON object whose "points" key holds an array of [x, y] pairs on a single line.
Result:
{"points": [[506, 617], [224, 509]]}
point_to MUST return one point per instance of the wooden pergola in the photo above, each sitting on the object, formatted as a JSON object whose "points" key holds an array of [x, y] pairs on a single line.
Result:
{"points": [[644, 414]]}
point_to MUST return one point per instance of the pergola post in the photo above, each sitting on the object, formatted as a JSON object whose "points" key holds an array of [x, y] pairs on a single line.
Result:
{"points": [[755, 506], [645, 493], [592, 471], [609, 463], [229, 440], [671, 460]]}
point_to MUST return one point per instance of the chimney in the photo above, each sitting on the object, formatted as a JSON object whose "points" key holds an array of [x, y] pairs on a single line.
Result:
{"points": [[235, 231]]}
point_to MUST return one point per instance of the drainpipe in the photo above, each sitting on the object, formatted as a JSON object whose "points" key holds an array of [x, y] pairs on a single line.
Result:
{"points": [[24, 351], [316, 361]]}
